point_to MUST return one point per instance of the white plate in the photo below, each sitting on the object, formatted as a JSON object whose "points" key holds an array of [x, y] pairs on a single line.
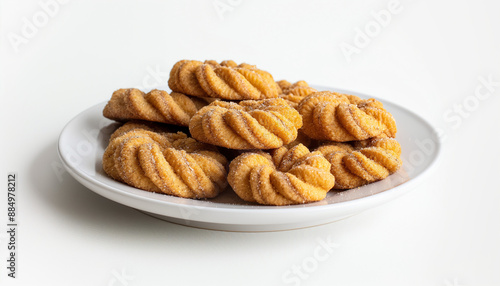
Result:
{"points": [[84, 138]]}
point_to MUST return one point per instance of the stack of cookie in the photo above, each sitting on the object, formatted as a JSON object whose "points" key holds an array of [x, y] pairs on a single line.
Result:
{"points": [[275, 143]]}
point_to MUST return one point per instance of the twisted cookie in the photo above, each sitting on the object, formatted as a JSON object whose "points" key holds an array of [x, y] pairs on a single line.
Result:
{"points": [[263, 124], [294, 93], [226, 80], [289, 176], [169, 163], [363, 162], [157, 105], [341, 117], [140, 125]]}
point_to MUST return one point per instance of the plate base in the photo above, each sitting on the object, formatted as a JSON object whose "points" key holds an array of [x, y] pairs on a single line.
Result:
{"points": [[237, 227]]}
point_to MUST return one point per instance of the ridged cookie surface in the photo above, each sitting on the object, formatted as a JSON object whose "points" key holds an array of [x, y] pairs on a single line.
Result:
{"points": [[226, 80], [169, 163], [362, 162], [288, 176], [263, 124], [294, 93], [156, 105], [341, 117]]}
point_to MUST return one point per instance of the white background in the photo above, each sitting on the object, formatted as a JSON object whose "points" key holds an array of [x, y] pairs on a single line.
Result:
{"points": [[427, 58]]}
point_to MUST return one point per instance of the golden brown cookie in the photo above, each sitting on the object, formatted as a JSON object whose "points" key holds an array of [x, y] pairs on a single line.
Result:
{"points": [[341, 117], [264, 124], [225, 80], [294, 93], [362, 162], [157, 105], [142, 125], [301, 139], [183, 78], [169, 163], [288, 176]]}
